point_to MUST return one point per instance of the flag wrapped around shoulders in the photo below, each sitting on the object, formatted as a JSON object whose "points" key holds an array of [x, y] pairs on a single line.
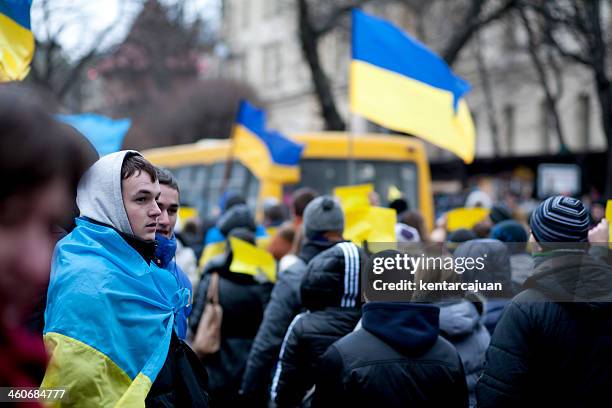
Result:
{"points": [[16, 39], [109, 319], [399, 83], [267, 153]]}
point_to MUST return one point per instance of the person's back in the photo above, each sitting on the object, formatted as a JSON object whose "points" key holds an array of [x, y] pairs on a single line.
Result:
{"points": [[552, 344], [323, 225], [461, 323], [243, 300], [396, 359], [546, 353], [329, 292]]}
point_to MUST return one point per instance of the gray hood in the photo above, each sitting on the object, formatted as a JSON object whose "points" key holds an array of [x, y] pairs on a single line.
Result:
{"points": [[99, 192], [457, 319]]}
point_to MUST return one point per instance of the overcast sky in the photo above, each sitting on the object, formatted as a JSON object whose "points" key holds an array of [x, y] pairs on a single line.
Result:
{"points": [[81, 21]]}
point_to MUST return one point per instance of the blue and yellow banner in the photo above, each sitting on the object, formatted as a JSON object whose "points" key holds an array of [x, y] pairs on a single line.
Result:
{"points": [[267, 153], [109, 318], [399, 83], [16, 40]]}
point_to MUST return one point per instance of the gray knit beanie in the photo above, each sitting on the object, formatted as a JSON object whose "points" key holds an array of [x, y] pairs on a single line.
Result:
{"points": [[323, 214]]}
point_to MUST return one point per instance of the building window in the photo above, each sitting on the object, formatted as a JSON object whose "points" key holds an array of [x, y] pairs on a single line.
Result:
{"points": [[583, 123], [509, 127], [272, 65]]}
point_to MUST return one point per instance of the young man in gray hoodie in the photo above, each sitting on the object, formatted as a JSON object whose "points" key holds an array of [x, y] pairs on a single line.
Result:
{"points": [[110, 322]]}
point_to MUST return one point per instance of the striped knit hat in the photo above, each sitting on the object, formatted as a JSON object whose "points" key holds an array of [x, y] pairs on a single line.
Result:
{"points": [[560, 219]]}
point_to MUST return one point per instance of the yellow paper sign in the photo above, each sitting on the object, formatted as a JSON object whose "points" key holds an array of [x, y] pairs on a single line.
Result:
{"points": [[186, 213], [252, 260], [383, 224], [465, 218], [352, 197], [373, 224], [356, 225]]}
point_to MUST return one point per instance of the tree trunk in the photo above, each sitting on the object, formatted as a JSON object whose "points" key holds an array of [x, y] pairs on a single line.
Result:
{"points": [[309, 40]]}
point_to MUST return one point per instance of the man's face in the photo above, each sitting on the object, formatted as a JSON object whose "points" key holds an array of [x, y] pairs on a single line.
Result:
{"points": [[139, 198], [27, 239], [168, 203]]}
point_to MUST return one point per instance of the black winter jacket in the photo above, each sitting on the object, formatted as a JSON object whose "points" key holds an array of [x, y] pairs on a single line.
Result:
{"points": [[396, 359], [546, 353], [284, 305], [243, 301], [330, 293]]}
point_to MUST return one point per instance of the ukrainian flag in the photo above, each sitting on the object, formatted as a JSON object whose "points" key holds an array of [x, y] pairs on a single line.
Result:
{"points": [[398, 83], [109, 319], [267, 153], [16, 39]]}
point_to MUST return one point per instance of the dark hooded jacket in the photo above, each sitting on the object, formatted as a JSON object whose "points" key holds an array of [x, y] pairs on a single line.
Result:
{"points": [[243, 300], [284, 305], [552, 344], [497, 270], [396, 359], [330, 293]]}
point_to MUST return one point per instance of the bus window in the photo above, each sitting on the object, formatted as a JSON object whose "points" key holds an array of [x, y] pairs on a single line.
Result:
{"points": [[244, 183], [198, 188], [192, 185], [323, 175], [215, 184]]}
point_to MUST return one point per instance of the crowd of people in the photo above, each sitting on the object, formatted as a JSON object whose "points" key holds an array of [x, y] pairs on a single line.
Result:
{"points": [[101, 294]]}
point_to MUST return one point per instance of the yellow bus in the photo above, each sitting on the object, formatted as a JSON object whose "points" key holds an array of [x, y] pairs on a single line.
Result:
{"points": [[381, 160]]}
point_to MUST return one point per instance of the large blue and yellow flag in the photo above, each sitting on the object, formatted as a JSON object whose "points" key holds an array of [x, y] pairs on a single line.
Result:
{"points": [[16, 39], [109, 319], [267, 153], [398, 83]]}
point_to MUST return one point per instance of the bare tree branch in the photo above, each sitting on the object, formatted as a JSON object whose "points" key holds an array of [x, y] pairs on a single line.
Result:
{"points": [[473, 23], [551, 100]]}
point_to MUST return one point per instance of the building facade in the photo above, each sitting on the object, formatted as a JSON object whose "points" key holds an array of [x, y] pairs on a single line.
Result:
{"points": [[263, 46]]}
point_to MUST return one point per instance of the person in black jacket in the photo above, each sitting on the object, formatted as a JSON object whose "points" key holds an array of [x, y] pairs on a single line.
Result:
{"points": [[243, 300], [329, 292], [323, 224], [552, 344], [397, 358]]}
